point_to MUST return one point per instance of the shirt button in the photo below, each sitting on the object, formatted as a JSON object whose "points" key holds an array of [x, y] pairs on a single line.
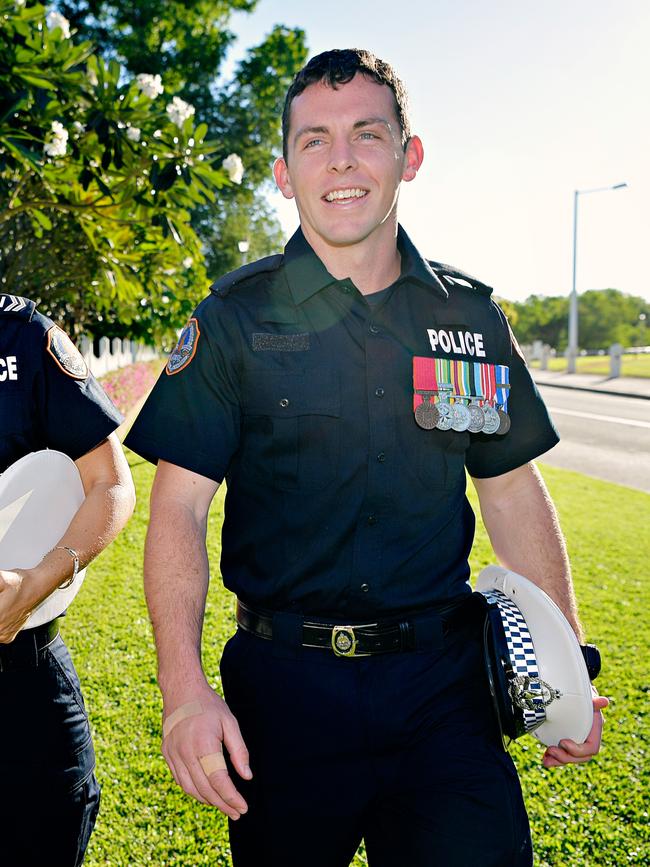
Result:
{"points": [[346, 288], [364, 588], [372, 519], [379, 392], [284, 402], [374, 329], [381, 457]]}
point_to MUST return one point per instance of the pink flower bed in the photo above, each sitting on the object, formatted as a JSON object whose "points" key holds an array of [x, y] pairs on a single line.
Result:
{"points": [[127, 385]]}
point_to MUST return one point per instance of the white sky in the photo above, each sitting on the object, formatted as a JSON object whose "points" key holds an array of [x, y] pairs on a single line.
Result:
{"points": [[518, 104]]}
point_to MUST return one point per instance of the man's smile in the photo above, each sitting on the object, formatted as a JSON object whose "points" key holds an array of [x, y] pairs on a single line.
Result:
{"points": [[346, 194]]}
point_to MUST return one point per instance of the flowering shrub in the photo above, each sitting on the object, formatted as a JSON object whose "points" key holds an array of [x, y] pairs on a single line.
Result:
{"points": [[234, 166], [179, 111], [127, 385]]}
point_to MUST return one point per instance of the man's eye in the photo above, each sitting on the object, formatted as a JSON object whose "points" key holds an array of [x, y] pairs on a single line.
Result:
{"points": [[314, 141], [368, 135]]}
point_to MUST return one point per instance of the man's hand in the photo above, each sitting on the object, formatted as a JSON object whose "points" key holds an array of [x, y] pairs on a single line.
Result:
{"points": [[14, 609], [202, 735], [569, 752]]}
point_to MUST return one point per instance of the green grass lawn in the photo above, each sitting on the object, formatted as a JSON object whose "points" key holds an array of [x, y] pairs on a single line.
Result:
{"points": [[632, 365], [584, 816]]}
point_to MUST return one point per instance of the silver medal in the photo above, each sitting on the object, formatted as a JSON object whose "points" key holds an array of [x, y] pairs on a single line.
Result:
{"points": [[460, 417], [492, 420], [477, 418], [444, 413]]}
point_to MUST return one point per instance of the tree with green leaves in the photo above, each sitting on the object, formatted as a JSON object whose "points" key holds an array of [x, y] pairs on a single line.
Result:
{"points": [[186, 43], [104, 177], [98, 177], [605, 316]]}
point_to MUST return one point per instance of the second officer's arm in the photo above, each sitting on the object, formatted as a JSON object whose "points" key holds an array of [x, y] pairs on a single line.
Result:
{"points": [[198, 722], [108, 504]]}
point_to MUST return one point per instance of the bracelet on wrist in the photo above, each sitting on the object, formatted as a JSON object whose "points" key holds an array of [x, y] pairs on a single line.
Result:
{"points": [[75, 566]]}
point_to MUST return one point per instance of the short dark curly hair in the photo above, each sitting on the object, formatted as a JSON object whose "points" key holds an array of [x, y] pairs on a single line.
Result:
{"points": [[339, 66]]}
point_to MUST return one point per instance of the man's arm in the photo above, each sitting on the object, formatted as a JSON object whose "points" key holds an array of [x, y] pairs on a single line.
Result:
{"points": [[176, 576], [108, 505], [525, 533]]}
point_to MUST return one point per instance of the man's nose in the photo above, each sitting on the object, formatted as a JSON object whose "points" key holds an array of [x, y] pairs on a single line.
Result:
{"points": [[341, 156]]}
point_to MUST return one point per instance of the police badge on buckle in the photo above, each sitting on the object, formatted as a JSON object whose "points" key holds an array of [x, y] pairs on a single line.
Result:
{"points": [[344, 641], [185, 349]]}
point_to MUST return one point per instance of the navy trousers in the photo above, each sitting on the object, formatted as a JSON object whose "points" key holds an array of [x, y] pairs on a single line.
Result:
{"points": [[49, 796], [400, 750]]}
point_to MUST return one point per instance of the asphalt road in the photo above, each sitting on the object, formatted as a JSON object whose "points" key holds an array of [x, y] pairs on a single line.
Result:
{"points": [[601, 435]]}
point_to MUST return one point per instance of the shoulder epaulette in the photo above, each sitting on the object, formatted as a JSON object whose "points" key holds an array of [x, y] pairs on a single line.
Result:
{"points": [[452, 276], [224, 284], [16, 305]]}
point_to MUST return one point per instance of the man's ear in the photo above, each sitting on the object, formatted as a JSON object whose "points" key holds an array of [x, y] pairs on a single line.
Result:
{"points": [[281, 175], [413, 157]]}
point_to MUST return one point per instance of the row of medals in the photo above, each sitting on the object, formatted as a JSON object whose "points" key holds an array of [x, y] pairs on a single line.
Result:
{"points": [[464, 414]]}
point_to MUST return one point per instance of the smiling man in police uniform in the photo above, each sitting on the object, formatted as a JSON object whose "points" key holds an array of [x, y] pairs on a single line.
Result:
{"points": [[341, 390], [49, 400]]}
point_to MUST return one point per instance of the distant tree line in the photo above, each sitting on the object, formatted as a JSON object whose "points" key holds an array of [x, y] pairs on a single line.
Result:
{"points": [[605, 316]]}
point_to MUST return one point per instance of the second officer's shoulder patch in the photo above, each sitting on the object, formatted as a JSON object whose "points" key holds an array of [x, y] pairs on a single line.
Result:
{"points": [[65, 354], [185, 349]]}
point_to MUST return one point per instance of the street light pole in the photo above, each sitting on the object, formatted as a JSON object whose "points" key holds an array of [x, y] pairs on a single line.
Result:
{"points": [[572, 350], [243, 247]]}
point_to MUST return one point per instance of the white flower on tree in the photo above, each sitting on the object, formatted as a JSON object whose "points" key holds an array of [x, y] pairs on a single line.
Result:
{"points": [[179, 111], [187, 262], [234, 167], [133, 133], [59, 143], [150, 85], [54, 19]]}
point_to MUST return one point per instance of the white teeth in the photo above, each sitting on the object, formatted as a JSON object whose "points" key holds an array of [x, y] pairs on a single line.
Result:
{"points": [[345, 194]]}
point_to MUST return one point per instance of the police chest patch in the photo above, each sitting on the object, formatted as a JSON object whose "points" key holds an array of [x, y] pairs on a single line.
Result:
{"points": [[185, 349], [456, 339], [66, 354]]}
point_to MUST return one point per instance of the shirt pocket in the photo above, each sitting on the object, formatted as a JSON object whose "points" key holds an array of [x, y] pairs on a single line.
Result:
{"points": [[291, 428]]}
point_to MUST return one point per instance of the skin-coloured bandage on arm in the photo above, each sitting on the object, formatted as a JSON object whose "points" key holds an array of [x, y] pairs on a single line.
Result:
{"points": [[192, 708]]}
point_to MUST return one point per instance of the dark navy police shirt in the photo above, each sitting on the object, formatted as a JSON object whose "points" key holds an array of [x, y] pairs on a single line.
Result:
{"points": [[48, 399], [297, 392]]}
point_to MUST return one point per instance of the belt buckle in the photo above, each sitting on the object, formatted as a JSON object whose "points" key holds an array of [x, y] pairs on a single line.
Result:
{"points": [[344, 641]]}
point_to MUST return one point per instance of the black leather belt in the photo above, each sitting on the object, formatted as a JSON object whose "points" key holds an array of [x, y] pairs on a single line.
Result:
{"points": [[23, 651], [359, 639]]}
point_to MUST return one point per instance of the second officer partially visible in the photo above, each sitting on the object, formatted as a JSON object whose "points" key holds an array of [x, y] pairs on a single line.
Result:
{"points": [[49, 796]]}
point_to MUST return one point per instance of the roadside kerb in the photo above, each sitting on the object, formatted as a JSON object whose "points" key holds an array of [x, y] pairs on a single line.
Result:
{"points": [[620, 387]]}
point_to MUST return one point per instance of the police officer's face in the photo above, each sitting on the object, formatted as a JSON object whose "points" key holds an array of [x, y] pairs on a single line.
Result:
{"points": [[345, 163]]}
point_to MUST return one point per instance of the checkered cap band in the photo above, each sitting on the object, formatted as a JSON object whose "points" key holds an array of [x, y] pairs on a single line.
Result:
{"points": [[522, 657]]}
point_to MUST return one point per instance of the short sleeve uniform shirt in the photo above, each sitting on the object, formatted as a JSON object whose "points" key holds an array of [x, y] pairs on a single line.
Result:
{"points": [[289, 385], [48, 398]]}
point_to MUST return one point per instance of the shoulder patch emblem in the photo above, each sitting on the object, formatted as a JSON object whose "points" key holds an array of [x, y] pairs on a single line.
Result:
{"points": [[185, 349], [65, 354]]}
